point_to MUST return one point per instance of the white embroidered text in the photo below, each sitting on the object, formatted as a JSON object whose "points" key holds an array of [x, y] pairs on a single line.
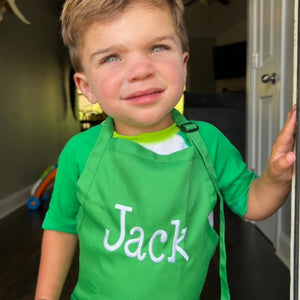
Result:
{"points": [[157, 235]]}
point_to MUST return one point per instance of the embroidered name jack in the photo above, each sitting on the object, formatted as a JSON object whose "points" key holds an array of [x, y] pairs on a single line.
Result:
{"points": [[155, 257]]}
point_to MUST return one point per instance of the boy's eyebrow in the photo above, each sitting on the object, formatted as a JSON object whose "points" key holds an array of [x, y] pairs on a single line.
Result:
{"points": [[171, 37], [105, 50]]}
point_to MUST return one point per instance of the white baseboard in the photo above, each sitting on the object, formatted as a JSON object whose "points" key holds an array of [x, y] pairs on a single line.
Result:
{"points": [[283, 251], [14, 201]]}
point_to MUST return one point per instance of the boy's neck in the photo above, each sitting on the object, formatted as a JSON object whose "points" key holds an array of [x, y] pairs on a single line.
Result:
{"points": [[125, 129]]}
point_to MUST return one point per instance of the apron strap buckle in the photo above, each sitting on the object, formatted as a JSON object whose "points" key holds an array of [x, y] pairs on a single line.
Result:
{"points": [[189, 127]]}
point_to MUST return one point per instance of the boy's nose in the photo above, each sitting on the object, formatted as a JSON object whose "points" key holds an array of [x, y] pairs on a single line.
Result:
{"points": [[140, 69]]}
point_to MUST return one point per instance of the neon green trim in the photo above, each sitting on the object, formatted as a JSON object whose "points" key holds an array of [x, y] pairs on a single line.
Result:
{"points": [[151, 137]]}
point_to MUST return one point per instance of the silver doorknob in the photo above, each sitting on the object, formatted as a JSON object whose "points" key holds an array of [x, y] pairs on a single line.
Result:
{"points": [[266, 78]]}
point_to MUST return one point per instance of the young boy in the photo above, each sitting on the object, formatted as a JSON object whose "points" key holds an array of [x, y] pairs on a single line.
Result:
{"points": [[137, 190]]}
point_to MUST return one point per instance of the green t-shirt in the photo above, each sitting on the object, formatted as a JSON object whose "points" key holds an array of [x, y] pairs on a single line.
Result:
{"points": [[232, 174]]}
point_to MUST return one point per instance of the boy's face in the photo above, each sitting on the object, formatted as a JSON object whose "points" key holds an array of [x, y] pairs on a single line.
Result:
{"points": [[134, 68]]}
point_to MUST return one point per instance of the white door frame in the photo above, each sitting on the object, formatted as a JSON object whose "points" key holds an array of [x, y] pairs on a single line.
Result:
{"points": [[295, 213]]}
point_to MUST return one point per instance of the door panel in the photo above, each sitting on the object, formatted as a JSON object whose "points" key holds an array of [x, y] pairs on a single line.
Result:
{"points": [[266, 29], [265, 130], [265, 141], [268, 33]]}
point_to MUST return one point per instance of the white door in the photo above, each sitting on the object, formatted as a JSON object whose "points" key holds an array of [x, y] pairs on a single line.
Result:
{"points": [[269, 91]]}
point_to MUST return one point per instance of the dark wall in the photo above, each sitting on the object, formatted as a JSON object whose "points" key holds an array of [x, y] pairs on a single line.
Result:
{"points": [[226, 111], [35, 114], [200, 73]]}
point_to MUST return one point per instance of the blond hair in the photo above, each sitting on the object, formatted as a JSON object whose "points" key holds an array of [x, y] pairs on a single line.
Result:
{"points": [[78, 15]]}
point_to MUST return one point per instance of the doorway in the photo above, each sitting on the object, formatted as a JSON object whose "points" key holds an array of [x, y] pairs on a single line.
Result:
{"points": [[270, 87]]}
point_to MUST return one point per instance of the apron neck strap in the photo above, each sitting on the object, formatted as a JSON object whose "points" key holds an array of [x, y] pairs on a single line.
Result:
{"points": [[191, 130]]}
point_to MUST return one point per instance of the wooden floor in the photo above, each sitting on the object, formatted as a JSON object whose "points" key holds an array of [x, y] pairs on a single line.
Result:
{"points": [[254, 271]]}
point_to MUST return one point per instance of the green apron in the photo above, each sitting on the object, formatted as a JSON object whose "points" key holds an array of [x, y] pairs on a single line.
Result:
{"points": [[143, 223]]}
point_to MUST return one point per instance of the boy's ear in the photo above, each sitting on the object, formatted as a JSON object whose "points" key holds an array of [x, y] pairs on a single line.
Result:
{"points": [[185, 58], [83, 85]]}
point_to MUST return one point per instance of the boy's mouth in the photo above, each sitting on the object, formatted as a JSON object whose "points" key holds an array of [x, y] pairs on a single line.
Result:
{"points": [[145, 96]]}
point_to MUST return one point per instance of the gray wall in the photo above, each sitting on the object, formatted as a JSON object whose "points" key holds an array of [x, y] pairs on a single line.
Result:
{"points": [[35, 115]]}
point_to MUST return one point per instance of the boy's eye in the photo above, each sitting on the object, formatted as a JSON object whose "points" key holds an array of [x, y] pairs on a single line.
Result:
{"points": [[158, 48], [110, 59]]}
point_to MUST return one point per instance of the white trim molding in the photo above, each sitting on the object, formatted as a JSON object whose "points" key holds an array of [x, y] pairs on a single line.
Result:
{"points": [[283, 251], [14, 201]]}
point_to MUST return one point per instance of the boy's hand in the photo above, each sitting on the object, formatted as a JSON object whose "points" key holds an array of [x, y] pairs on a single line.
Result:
{"points": [[282, 158], [268, 192]]}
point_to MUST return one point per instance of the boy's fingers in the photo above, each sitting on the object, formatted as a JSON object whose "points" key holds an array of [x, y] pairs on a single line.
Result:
{"points": [[289, 127], [287, 160], [284, 163], [286, 138]]}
